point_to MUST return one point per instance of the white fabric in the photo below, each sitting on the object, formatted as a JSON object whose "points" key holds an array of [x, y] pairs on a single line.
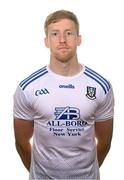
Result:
{"points": [[64, 110]]}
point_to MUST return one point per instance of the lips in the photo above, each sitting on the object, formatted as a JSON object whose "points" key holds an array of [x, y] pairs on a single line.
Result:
{"points": [[63, 47]]}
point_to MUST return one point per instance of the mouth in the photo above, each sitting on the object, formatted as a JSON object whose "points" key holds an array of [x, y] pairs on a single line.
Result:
{"points": [[63, 48]]}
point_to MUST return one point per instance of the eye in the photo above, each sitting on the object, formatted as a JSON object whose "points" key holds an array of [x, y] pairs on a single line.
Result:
{"points": [[69, 33], [54, 33]]}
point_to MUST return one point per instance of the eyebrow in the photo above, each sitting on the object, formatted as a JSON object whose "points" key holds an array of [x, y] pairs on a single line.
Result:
{"points": [[59, 30]]}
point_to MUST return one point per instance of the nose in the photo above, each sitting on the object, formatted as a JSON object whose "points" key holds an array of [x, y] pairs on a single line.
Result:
{"points": [[62, 38]]}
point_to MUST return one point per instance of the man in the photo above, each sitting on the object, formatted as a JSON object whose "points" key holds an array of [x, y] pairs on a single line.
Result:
{"points": [[65, 107]]}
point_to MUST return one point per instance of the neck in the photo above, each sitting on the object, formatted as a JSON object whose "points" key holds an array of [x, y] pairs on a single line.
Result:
{"points": [[69, 68]]}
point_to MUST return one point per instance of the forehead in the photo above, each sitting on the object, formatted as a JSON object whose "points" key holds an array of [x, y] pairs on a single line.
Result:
{"points": [[62, 25]]}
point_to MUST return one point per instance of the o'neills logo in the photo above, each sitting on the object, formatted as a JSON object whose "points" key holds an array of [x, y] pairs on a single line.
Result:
{"points": [[70, 86]]}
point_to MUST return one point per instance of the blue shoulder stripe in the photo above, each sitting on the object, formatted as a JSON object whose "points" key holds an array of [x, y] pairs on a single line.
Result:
{"points": [[98, 78], [24, 83], [32, 75]]}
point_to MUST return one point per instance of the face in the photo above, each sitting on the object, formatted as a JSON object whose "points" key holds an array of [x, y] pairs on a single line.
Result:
{"points": [[62, 40]]}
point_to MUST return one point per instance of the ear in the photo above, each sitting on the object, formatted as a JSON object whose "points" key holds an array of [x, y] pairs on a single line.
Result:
{"points": [[46, 42], [79, 40]]}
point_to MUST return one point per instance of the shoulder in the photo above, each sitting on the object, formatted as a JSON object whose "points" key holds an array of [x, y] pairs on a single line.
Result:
{"points": [[33, 78], [97, 79]]}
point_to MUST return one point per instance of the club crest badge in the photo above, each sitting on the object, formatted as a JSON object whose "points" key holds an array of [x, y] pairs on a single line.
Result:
{"points": [[91, 92]]}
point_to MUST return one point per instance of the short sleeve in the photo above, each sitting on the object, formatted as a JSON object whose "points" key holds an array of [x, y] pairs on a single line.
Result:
{"points": [[105, 109], [22, 108]]}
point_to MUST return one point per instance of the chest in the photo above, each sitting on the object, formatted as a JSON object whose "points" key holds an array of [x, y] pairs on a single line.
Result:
{"points": [[65, 100]]}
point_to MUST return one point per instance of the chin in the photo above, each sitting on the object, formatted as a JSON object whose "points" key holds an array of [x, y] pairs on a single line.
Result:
{"points": [[64, 58]]}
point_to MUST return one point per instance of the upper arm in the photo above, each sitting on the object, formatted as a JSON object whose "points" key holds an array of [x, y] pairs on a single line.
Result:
{"points": [[103, 132], [23, 130]]}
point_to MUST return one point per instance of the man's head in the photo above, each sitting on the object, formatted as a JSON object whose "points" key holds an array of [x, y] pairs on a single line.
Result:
{"points": [[62, 35], [59, 15]]}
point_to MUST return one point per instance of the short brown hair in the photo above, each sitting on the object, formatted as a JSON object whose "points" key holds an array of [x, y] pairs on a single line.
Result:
{"points": [[58, 15]]}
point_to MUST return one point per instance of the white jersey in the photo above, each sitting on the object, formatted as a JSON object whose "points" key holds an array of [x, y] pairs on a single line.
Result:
{"points": [[64, 110]]}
